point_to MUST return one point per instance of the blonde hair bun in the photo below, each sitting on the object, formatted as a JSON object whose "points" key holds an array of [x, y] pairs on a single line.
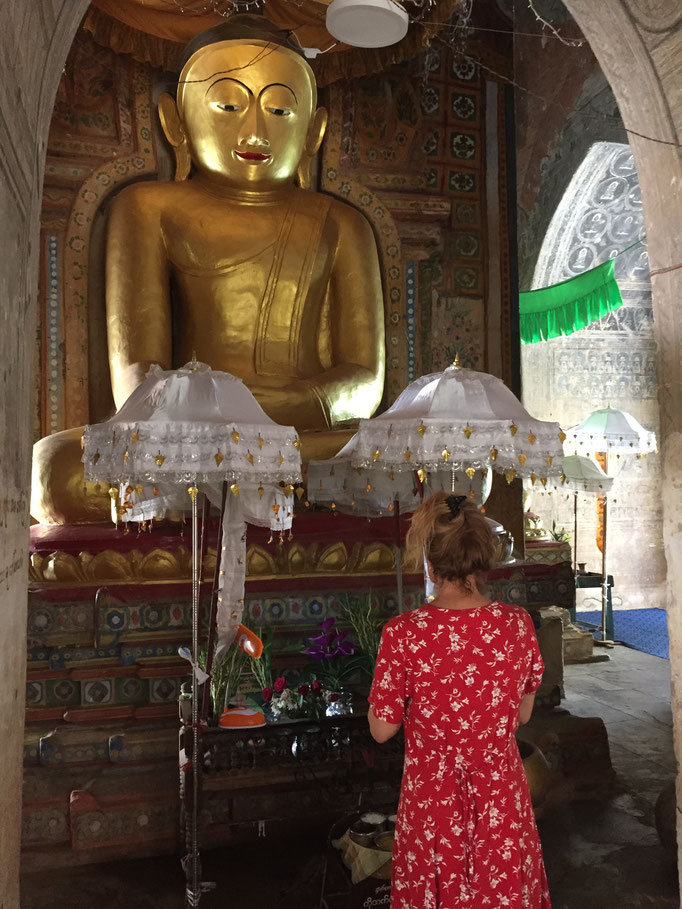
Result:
{"points": [[454, 536]]}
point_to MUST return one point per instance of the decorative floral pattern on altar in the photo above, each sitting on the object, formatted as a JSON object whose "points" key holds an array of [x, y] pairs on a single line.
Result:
{"points": [[306, 611]]}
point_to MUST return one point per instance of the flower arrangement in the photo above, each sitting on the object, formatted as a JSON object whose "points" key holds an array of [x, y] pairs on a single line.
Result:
{"points": [[308, 701], [559, 534], [322, 688], [262, 667]]}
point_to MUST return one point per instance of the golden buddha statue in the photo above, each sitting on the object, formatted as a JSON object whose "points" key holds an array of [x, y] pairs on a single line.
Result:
{"points": [[235, 262]]}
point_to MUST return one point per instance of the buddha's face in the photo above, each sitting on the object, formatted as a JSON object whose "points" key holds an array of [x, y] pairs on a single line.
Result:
{"points": [[246, 110]]}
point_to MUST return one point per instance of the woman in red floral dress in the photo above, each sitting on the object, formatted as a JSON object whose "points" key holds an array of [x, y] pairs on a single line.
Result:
{"points": [[460, 673]]}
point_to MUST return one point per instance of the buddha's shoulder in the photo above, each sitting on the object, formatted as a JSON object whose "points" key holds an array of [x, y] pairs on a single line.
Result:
{"points": [[340, 213], [153, 197]]}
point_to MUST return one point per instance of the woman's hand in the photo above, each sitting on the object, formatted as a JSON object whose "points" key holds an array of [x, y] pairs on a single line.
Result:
{"points": [[380, 730], [526, 708]]}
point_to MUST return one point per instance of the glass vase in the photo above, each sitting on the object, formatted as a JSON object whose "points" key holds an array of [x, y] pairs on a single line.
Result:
{"points": [[342, 706]]}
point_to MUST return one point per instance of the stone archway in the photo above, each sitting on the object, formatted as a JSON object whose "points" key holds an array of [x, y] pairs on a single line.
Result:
{"points": [[637, 43], [35, 40], [612, 361]]}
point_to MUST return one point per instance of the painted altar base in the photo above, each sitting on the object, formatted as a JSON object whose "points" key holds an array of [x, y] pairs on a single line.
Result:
{"points": [[107, 612]]}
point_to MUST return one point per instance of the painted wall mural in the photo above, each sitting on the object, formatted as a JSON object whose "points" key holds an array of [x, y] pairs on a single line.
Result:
{"points": [[408, 148], [101, 137]]}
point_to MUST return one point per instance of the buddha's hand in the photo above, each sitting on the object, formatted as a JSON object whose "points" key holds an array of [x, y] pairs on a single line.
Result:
{"points": [[297, 404]]}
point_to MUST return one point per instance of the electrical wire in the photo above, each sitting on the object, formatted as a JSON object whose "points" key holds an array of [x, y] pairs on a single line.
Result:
{"points": [[498, 31], [570, 112]]}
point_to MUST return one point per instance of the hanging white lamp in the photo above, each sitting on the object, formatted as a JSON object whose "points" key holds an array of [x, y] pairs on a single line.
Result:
{"points": [[367, 23]]}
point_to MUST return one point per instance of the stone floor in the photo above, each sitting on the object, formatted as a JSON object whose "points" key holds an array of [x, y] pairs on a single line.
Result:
{"points": [[600, 846], [604, 852]]}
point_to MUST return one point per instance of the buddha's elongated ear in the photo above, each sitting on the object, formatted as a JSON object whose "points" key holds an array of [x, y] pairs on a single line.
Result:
{"points": [[175, 133], [316, 130]]}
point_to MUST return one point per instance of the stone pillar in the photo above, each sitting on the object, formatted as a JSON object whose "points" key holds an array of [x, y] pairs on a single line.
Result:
{"points": [[34, 41]]}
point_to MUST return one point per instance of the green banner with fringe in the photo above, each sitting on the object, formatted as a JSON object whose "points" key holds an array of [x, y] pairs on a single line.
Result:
{"points": [[567, 307]]}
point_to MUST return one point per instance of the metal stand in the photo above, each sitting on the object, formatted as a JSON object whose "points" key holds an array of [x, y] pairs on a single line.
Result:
{"points": [[575, 537], [194, 886], [210, 645]]}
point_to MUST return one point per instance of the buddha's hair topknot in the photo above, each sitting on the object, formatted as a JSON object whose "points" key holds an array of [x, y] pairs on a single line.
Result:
{"points": [[241, 26]]}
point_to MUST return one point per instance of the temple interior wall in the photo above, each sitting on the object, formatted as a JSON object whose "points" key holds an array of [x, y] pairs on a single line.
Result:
{"points": [[638, 45]]}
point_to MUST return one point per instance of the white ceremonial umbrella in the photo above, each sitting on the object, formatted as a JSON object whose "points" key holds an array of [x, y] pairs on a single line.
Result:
{"points": [[375, 492], [619, 436], [184, 431], [584, 476], [190, 430], [464, 419], [449, 430], [609, 430]]}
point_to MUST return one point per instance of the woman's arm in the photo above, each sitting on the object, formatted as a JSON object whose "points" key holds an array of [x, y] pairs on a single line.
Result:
{"points": [[380, 730], [526, 708]]}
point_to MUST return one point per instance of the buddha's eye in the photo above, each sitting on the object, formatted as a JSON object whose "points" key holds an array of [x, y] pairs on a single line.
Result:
{"points": [[279, 111], [228, 107]]}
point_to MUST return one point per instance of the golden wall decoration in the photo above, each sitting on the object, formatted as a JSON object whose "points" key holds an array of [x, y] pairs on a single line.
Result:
{"points": [[163, 565]]}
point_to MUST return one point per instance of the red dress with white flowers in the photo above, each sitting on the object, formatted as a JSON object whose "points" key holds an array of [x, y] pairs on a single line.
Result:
{"points": [[466, 834]]}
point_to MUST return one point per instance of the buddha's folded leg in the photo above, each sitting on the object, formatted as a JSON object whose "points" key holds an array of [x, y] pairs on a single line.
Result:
{"points": [[59, 494], [318, 445]]}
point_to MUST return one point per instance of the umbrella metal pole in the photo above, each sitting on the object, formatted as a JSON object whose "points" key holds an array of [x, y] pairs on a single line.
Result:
{"points": [[203, 542], [193, 886], [398, 557]]}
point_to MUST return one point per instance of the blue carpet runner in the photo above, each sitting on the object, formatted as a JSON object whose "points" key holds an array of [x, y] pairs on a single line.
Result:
{"points": [[641, 629]]}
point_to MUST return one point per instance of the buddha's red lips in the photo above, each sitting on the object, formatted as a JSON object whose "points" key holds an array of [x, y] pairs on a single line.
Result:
{"points": [[252, 156]]}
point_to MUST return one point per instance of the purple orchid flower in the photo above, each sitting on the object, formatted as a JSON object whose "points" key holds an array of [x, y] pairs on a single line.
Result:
{"points": [[318, 653], [331, 643], [323, 640]]}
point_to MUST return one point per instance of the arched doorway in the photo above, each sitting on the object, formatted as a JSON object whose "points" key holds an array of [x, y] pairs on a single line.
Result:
{"points": [[622, 36], [611, 362]]}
